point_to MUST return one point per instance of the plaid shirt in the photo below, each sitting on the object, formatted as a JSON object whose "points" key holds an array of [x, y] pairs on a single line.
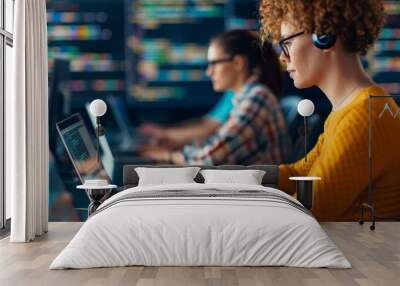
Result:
{"points": [[255, 132]]}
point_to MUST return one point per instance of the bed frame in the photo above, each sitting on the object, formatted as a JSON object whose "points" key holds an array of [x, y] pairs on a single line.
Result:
{"points": [[270, 179]]}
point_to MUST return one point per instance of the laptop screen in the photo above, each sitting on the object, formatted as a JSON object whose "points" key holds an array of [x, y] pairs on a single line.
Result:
{"points": [[81, 149]]}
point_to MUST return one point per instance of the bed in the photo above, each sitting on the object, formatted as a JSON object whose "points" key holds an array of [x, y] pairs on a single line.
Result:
{"points": [[198, 224]]}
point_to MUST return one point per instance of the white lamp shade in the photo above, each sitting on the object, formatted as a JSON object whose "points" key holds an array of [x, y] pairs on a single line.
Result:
{"points": [[305, 107], [98, 107]]}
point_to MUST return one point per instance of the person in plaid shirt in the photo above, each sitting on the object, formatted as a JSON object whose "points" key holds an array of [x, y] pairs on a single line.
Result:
{"points": [[255, 131]]}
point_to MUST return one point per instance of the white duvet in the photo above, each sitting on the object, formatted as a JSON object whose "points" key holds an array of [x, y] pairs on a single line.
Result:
{"points": [[185, 231]]}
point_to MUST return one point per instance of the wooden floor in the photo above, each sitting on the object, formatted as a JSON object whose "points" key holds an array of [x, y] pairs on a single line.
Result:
{"points": [[375, 257]]}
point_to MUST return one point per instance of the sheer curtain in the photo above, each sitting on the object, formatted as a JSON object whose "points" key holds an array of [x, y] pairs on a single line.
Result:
{"points": [[26, 123]]}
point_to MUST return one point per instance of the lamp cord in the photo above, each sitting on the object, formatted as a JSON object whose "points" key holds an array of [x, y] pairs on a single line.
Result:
{"points": [[305, 137], [97, 137]]}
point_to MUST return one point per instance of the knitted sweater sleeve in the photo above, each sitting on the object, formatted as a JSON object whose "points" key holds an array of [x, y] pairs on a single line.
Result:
{"points": [[342, 165]]}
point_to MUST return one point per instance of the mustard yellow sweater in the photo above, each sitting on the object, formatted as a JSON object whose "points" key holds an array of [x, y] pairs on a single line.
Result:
{"points": [[340, 158]]}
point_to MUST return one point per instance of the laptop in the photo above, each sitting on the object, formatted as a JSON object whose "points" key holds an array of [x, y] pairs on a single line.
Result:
{"points": [[81, 149], [127, 153], [116, 157], [130, 139]]}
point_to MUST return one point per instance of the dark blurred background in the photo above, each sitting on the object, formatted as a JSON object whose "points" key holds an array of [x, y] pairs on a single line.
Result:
{"points": [[147, 60]]}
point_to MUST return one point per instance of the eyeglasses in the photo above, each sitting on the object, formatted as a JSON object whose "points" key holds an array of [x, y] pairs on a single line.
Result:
{"points": [[286, 42], [213, 63]]}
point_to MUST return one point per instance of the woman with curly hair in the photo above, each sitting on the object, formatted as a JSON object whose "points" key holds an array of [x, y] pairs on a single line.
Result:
{"points": [[321, 43]]}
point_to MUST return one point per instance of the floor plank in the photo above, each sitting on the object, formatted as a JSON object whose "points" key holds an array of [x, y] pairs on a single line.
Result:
{"points": [[375, 257]]}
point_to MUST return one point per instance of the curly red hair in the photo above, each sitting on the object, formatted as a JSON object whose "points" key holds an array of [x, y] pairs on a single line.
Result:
{"points": [[356, 22]]}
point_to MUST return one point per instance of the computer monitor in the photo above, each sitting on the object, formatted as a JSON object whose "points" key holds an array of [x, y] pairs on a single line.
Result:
{"points": [[130, 137], [81, 149], [59, 98], [118, 109]]}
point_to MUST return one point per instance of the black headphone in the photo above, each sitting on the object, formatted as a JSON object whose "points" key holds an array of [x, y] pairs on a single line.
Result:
{"points": [[324, 41]]}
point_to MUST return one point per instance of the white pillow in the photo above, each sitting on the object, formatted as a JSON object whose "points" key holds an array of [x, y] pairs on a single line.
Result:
{"points": [[248, 177], [162, 176]]}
